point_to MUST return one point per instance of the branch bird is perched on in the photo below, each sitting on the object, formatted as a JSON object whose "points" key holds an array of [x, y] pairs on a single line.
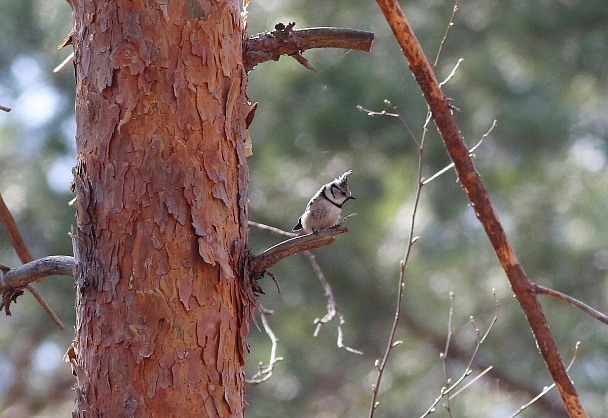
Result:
{"points": [[323, 210]]}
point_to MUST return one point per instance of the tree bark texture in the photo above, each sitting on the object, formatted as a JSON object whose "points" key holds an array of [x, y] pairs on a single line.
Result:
{"points": [[160, 179]]}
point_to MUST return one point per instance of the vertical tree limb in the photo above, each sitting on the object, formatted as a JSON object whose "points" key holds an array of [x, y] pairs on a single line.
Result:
{"points": [[480, 201]]}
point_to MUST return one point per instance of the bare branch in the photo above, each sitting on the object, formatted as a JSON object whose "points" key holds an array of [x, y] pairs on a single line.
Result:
{"points": [[471, 153], [6, 218], [265, 371], [332, 308], [64, 63], [391, 343], [445, 35], [285, 40], [329, 294], [480, 201], [262, 262], [452, 73], [445, 355], [547, 388], [36, 271], [475, 379], [340, 342], [542, 290], [271, 229], [446, 390], [419, 329], [12, 281]]}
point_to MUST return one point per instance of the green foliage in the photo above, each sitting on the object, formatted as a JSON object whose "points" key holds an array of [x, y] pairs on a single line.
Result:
{"points": [[538, 68]]}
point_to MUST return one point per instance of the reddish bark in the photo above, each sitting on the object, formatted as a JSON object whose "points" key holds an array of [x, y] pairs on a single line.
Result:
{"points": [[162, 309]]}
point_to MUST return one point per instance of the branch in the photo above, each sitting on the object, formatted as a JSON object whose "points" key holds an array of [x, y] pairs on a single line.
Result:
{"points": [[478, 195], [6, 218], [272, 230], [285, 40], [262, 262], [265, 371], [546, 388], [332, 307], [542, 290], [421, 330], [446, 390], [36, 271], [391, 343], [12, 281]]}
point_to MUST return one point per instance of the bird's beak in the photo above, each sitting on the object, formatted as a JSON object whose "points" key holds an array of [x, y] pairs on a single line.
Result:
{"points": [[352, 197]]}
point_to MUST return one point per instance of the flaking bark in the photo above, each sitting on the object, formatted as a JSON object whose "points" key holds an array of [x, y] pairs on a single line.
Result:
{"points": [[162, 308]]}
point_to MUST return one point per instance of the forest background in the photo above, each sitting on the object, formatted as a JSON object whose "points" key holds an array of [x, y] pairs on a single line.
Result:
{"points": [[540, 68]]}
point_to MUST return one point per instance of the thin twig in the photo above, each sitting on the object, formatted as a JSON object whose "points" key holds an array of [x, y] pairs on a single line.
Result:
{"points": [[332, 307], [265, 371], [471, 153], [546, 388], [445, 355], [421, 330], [64, 63], [340, 341], [374, 113], [542, 290], [271, 229], [7, 220], [394, 113], [381, 365], [445, 35], [452, 73], [329, 294], [475, 379], [446, 390], [418, 329]]}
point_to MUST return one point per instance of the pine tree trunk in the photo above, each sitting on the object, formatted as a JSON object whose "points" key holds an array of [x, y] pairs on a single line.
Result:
{"points": [[162, 307]]}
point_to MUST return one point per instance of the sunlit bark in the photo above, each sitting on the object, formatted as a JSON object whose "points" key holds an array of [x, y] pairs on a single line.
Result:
{"points": [[162, 309]]}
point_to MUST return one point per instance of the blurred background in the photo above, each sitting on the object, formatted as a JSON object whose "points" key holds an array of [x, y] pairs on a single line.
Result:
{"points": [[540, 68]]}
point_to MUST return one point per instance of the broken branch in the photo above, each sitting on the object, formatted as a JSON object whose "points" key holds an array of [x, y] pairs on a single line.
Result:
{"points": [[6, 218], [36, 271], [285, 40]]}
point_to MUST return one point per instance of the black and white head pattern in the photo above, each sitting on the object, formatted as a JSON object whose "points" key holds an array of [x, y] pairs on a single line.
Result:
{"points": [[337, 191]]}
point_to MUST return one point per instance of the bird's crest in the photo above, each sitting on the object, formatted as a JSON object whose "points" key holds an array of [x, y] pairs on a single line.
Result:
{"points": [[343, 179]]}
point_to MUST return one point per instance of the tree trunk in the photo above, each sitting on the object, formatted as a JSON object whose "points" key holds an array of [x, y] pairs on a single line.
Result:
{"points": [[162, 307]]}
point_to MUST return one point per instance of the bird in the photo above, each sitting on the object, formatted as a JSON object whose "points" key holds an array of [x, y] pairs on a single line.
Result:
{"points": [[323, 210]]}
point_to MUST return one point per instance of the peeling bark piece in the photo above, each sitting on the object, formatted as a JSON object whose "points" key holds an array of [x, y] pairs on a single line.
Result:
{"points": [[163, 306]]}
